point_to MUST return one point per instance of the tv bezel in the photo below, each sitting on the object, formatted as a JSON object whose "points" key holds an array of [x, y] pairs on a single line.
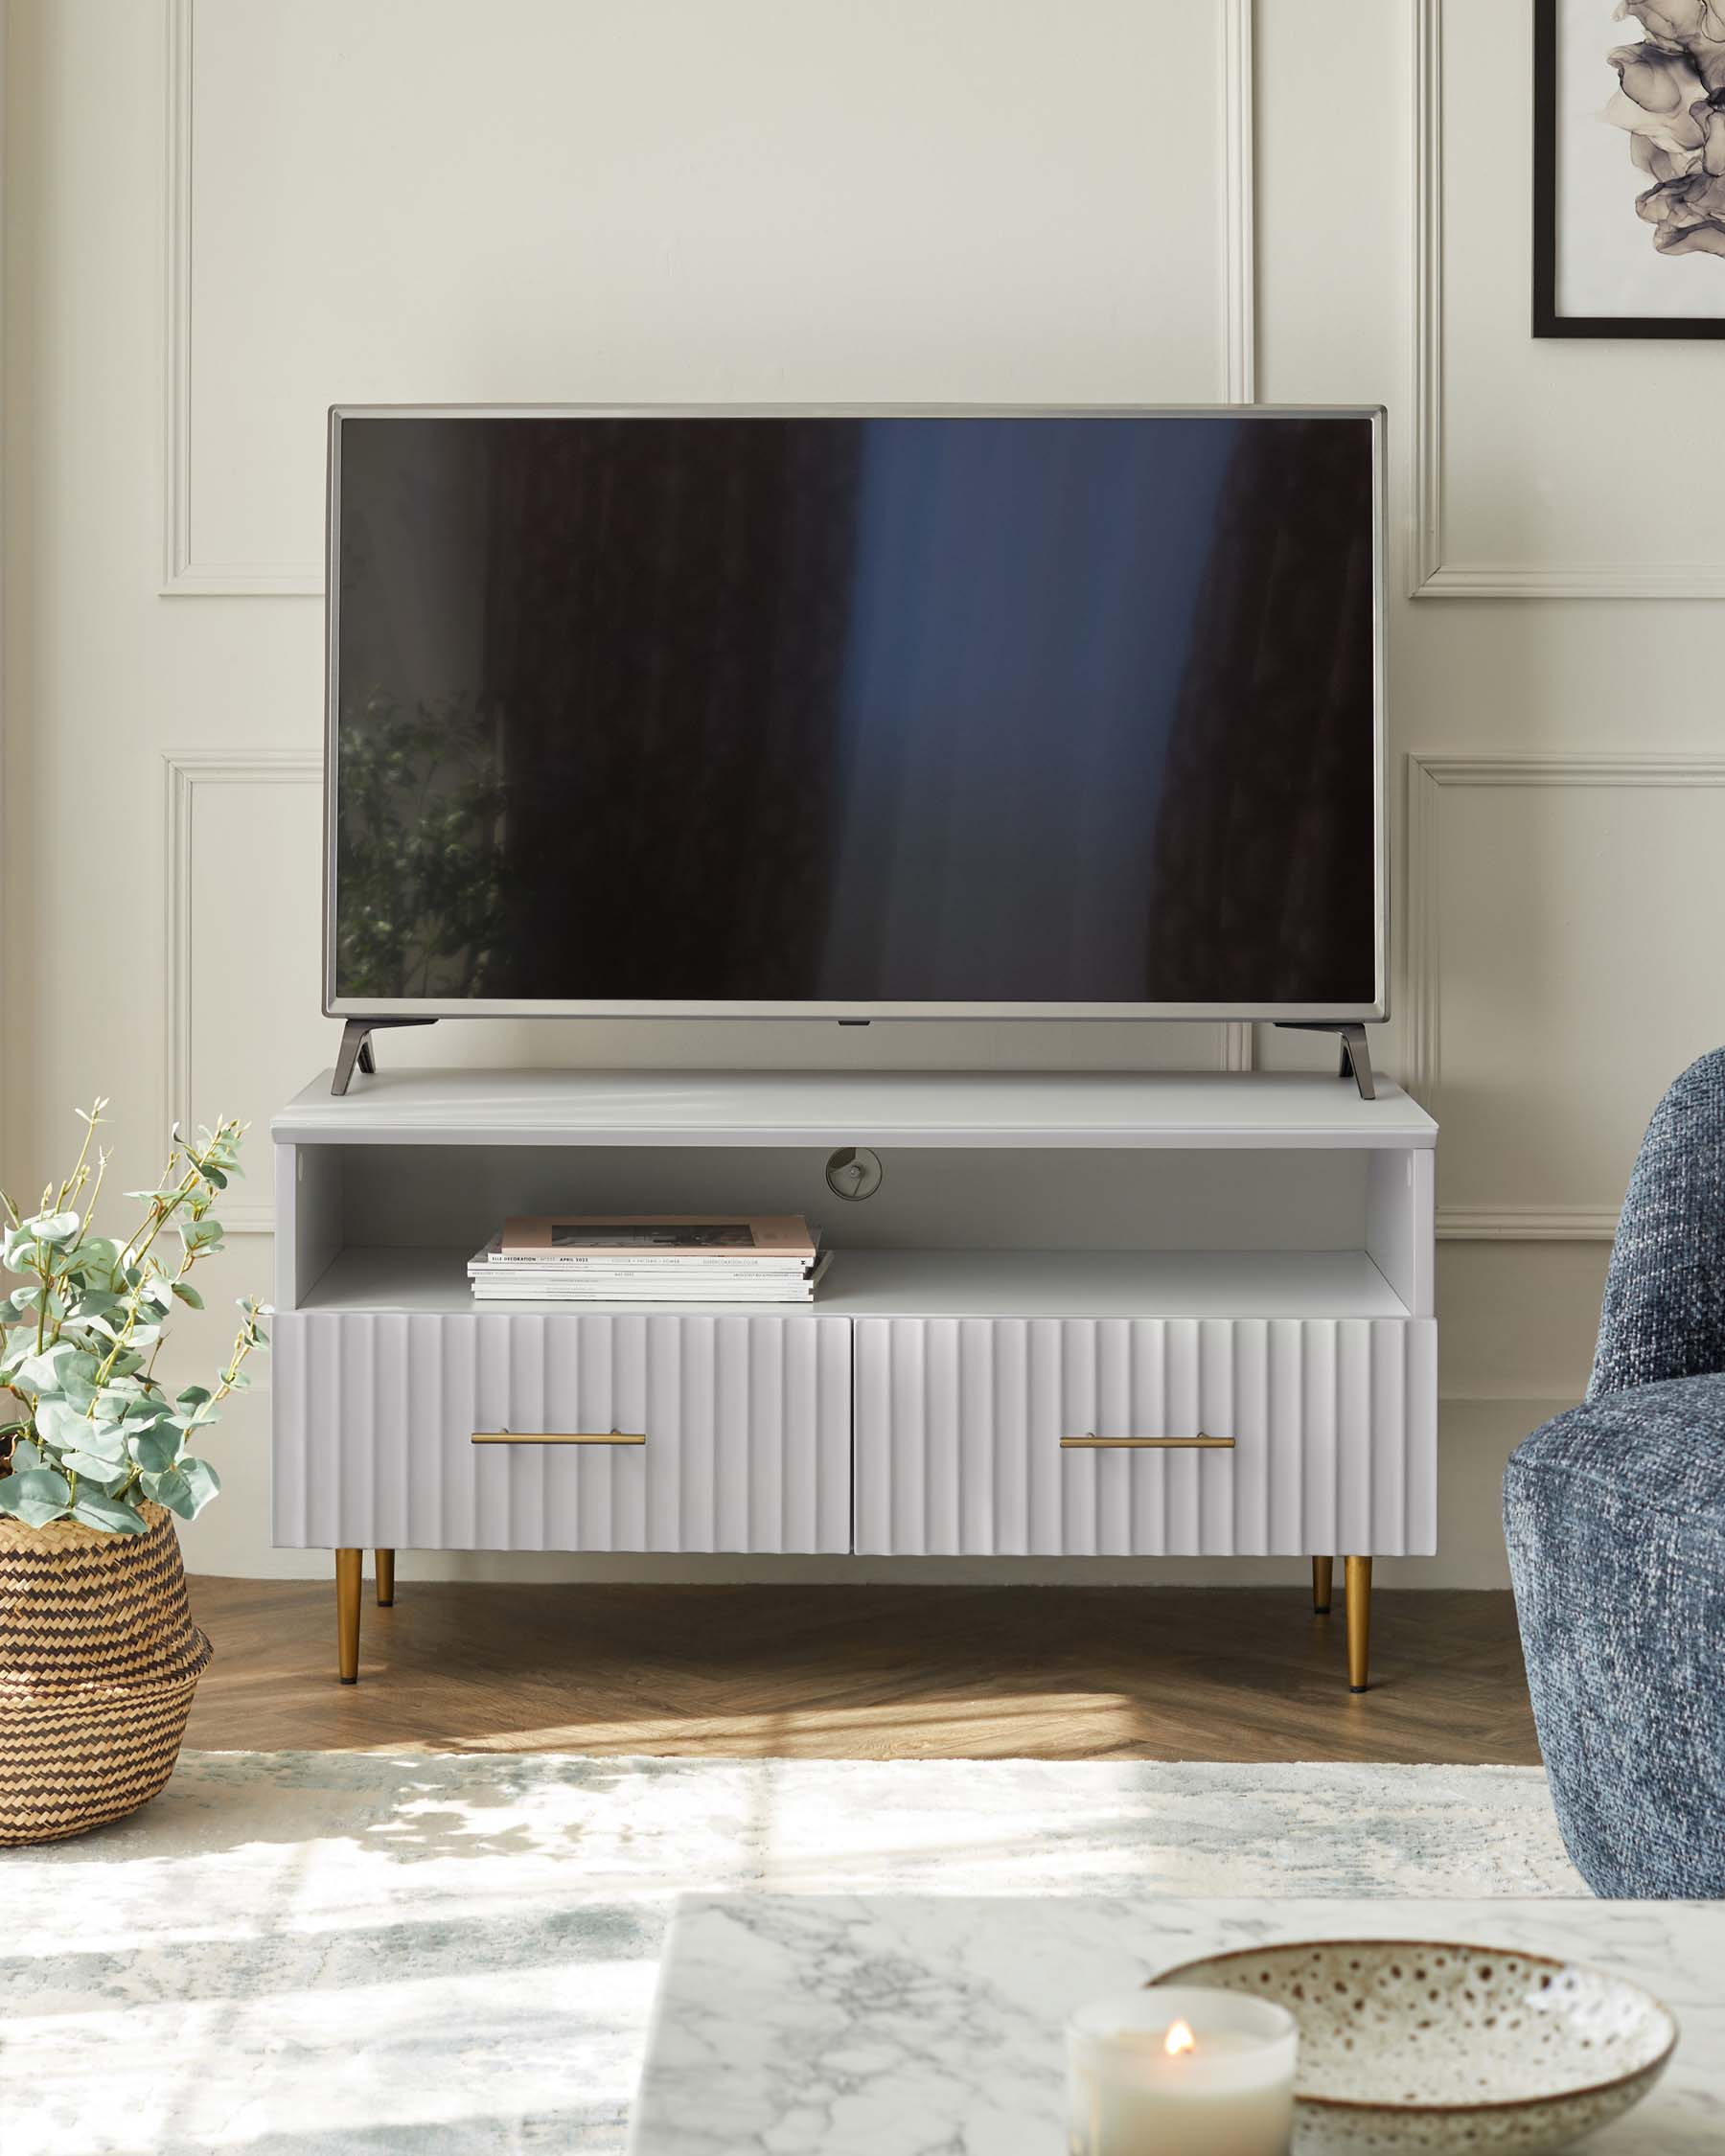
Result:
{"points": [[566, 1007]]}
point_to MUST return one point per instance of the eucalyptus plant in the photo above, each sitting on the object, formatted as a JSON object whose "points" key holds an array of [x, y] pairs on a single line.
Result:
{"points": [[94, 1433]]}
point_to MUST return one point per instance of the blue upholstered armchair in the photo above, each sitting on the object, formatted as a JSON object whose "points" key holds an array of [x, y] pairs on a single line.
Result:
{"points": [[1615, 1515]]}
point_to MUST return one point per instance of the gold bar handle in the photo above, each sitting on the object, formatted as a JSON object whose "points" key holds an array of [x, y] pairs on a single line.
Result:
{"points": [[560, 1436], [1090, 1442]]}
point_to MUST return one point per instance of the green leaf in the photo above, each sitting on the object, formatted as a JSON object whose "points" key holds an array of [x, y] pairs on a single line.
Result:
{"points": [[76, 1377], [85, 1273], [107, 1440], [105, 1474], [99, 1510], [202, 1481], [54, 1227], [25, 1455], [171, 1489], [194, 1396], [187, 1293], [38, 1374], [155, 1449], [61, 1425], [36, 1496]]}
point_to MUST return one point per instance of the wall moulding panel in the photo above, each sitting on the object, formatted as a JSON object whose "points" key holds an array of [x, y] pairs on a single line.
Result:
{"points": [[181, 576], [1597, 402], [185, 773], [568, 355], [1239, 226], [1514, 997]]}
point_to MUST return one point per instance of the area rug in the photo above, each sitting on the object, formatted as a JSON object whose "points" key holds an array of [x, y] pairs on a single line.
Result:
{"points": [[346, 1950]]}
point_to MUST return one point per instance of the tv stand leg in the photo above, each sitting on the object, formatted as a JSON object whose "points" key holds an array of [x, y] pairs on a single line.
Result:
{"points": [[1356, 1056], [1356, 1060], [354, 1054], [1359, 1621], [356, 1050]]}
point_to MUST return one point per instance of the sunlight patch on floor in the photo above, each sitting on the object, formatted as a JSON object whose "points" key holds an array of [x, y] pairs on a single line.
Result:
{"points": [[878, 1725]]}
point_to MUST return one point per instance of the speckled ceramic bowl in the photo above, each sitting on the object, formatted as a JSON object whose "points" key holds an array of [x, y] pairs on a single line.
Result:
{"points": [[1412, 2044]]}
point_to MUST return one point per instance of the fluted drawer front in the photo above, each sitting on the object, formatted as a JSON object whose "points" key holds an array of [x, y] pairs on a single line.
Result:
{"points": [[959, 1423], [746, 1418]]}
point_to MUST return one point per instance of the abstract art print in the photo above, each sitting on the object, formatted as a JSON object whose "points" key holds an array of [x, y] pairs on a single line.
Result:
{"points": [[1629, 169]]}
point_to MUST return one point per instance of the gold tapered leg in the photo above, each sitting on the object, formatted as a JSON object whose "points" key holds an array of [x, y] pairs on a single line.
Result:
{"points": [[1322, 1572], [386, 1578], [347, 1614], [1359, 1621]]}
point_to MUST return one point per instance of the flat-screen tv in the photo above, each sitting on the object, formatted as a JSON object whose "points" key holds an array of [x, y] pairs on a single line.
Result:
{"points": [[870, 713]]}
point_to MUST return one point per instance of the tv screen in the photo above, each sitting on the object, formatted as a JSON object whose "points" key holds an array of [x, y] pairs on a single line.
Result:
{"points": [[879, 714]]}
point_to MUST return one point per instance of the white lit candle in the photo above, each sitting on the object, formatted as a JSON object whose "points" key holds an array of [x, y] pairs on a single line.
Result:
{"points": [[1181, 2072]]}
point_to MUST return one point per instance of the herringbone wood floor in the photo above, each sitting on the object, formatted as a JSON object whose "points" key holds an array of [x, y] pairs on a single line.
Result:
{"points": [[864, 1672]]}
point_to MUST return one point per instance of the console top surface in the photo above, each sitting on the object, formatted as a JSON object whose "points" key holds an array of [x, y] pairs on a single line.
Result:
{"points": [[973, 1110]]}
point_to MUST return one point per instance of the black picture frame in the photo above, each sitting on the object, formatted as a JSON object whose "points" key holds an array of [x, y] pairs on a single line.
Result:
{"points": [[1547, 321]]}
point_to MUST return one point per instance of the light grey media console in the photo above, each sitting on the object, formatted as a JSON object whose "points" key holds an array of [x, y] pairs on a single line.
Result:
{"points": [[1084, 1316]]}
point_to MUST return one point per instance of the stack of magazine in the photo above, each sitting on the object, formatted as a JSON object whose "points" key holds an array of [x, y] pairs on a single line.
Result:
{"points": [[645, 1257]]}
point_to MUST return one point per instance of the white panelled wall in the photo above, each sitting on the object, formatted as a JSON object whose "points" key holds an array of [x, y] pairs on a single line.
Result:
{"points": [[223, 215]]}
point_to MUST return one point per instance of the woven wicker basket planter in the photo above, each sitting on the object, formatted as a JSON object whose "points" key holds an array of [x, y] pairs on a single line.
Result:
{"points": [[99, 1659]]}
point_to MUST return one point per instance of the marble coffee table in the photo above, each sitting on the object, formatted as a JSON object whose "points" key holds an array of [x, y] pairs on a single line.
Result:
{"points": [[897, 2025]]}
